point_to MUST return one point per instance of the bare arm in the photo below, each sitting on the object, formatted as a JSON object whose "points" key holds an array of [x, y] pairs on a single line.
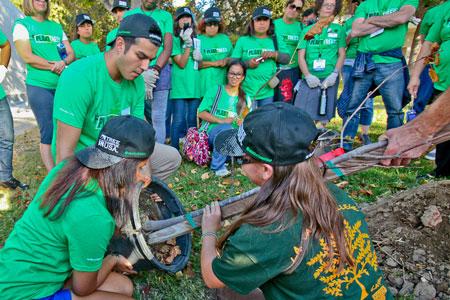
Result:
{"points": [[70, 53], [360, 27], [207, 116], [341, 59], [391, 20], [414, 82], [24, 50], [67, 138], [302, 62], [5, 55], [165, 54], [182, 59]]}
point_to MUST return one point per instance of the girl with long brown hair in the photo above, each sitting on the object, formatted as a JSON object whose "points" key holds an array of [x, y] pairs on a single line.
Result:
{"points": [[300, 238]]}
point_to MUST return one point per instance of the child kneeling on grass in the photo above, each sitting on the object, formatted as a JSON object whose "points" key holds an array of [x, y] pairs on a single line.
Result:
{"points": [[301, 238], [57, 249]]}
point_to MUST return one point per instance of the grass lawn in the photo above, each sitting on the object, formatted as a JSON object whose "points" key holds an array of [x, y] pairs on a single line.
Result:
{"points": [[195, 189]]}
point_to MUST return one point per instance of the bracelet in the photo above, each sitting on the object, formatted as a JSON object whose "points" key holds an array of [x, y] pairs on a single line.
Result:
{"points": [[209, 233], [157, 68]]}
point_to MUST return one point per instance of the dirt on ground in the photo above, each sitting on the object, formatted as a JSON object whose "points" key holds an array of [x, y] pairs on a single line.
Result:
{"points": [[411, 234]]}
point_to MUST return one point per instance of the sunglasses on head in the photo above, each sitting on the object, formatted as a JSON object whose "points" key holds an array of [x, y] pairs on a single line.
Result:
{"points": [[297, 8], [213, 23]]}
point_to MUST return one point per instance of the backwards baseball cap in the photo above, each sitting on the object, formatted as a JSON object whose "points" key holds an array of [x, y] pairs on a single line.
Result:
{"points": [[83, 18], [183, 11], [262, 11], [139, 26], [121, 137], [278, 134], [120, 4], [212, 14]]}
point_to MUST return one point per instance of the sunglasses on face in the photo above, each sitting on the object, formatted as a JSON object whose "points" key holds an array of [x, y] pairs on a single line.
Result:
{"points": [[297, 8], [212, 24]]}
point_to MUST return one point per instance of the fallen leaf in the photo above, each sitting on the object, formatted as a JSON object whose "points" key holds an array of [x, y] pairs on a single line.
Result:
{"points": [[366, 192], [188, 271], [183, 174], [170, 186], [227, 181], [194, 171], [236, 183], [205, 176], [342, 184], [172, 242], [177, 179]]}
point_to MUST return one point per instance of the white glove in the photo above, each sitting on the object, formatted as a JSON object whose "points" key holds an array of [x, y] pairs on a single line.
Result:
{"points": [[312, 81], [185, 35], [3, 71], [197, 55], [330, 80], [150, 77]]}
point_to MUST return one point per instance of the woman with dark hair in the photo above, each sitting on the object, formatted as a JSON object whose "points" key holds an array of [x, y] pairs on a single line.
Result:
{"points": [[185, 92], [257, 50], [321, 57], [300, 237], [43, 46], [57, 249], [232, 107], [215, 50], [83, 45]]}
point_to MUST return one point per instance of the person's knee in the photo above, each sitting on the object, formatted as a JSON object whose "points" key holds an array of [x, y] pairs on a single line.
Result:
{"points": [[127, 286]]}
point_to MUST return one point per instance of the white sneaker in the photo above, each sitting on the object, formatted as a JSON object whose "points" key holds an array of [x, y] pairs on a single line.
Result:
{"points": [[431, 155], [222, 172]]}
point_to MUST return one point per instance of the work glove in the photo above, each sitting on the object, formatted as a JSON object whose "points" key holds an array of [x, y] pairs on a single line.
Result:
{"points": [[312, 81], [150, 77], [330, 80], [197, 55], [185, 35], [3, 71]]}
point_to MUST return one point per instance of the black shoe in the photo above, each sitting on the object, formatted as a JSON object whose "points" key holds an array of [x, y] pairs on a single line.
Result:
{"points": [[13, 184]]}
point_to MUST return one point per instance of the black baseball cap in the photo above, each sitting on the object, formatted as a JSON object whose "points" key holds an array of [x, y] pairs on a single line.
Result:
{"points": [[120, 4], [277, 134], [183, 11], [212, 14], [83, 18], [262, 11], [121, 137], [139, 26]]}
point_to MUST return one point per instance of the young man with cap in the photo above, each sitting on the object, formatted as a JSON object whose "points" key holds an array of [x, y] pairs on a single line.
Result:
{"points": [[84, 46], [118, 9], [301, 238], [57, 249], [157, 77], [109, 84]]}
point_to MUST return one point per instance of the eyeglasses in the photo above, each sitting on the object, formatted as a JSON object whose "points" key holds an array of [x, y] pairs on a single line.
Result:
{"points": [[235, 75], [212, 24], [297, 8], [329, 5]]}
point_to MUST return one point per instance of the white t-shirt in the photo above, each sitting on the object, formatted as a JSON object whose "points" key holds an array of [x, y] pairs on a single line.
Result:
{"points": [[21, 33]]}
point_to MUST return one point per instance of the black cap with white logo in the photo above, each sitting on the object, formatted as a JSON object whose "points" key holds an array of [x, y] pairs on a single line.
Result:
{"points": [[83, 18], [139, 26], [262, 11], [183, 11], [120, 4], [212, 14], [121, 137]]}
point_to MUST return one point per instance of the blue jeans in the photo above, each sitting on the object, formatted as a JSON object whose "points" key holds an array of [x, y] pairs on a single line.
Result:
{"points": [[391, 91], [184, 117], [169, 113], [217, 160], [258, 103], [425, 91], [6, 140], [41, 103], [366, 112], [155, 113]]}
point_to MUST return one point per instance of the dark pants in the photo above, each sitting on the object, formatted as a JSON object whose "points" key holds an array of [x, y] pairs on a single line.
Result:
{"points": [[443, 159]]}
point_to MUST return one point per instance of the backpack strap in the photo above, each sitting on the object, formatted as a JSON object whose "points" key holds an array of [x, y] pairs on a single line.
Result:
{"points": [[214, 107]]}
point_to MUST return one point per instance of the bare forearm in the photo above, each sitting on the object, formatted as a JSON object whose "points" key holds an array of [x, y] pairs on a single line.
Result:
{"points": [[207, 64], [208, 117], [363, 29], [5, 54], [341, 59], [109, 262], [181, 60], [208, 254], [165, 54], [425, 51], [435, 118], [302, 63], [391, 20], [38, 62]]}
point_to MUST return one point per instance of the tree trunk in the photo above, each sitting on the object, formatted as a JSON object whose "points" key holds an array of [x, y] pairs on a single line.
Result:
{"points": [[416, 43]]}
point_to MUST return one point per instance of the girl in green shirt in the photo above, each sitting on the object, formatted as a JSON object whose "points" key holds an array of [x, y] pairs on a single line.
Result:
{"points": [[83, 45]]}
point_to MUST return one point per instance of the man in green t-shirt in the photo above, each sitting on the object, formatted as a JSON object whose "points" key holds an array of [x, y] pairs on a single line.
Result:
{"points": [[109, 84], [6, 123], [157, 77], [382, 26]]}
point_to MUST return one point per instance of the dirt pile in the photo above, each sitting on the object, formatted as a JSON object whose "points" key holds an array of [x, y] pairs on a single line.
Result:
{"points": [[411, 234]]}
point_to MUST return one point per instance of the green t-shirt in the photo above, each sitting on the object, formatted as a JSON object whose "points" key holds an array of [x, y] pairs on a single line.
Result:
{"points": [[288, 36], [164, 20], [87, 97], [440, 33], [352, 47], [41, 253], [324, 46], [44, 36], [83, 50], [257, 257], [226, 106], [3, 40], [390, 38], [429, 19], [110, 37], [248, 47], [185, 81], [213, 48]]}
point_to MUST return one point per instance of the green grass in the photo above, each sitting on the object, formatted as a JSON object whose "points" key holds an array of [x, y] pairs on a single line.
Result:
{"points": [[195, 192]]}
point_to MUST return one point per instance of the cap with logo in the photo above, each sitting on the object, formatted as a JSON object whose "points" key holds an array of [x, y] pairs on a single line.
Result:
{"points": [[120, 4], [83, 18], [212, 14], [121, 137], [277, 134], [139, 26], [183, 11], [262, 11]]}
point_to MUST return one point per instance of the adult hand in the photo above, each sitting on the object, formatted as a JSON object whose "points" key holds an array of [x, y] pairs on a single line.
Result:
{"points": [[123, 265], [150, 77], [227, 121], [330, 80], [211, 217], [58, 67], [221, 63], [413, 86], [197, 55], [269, 54], [312, 81], [253, 63], [3, 71], [185, 35]]}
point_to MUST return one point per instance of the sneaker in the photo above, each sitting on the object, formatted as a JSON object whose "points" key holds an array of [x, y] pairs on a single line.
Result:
{"points": [[13, 183], [365, 139], [222, 172], [431, 155]]}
